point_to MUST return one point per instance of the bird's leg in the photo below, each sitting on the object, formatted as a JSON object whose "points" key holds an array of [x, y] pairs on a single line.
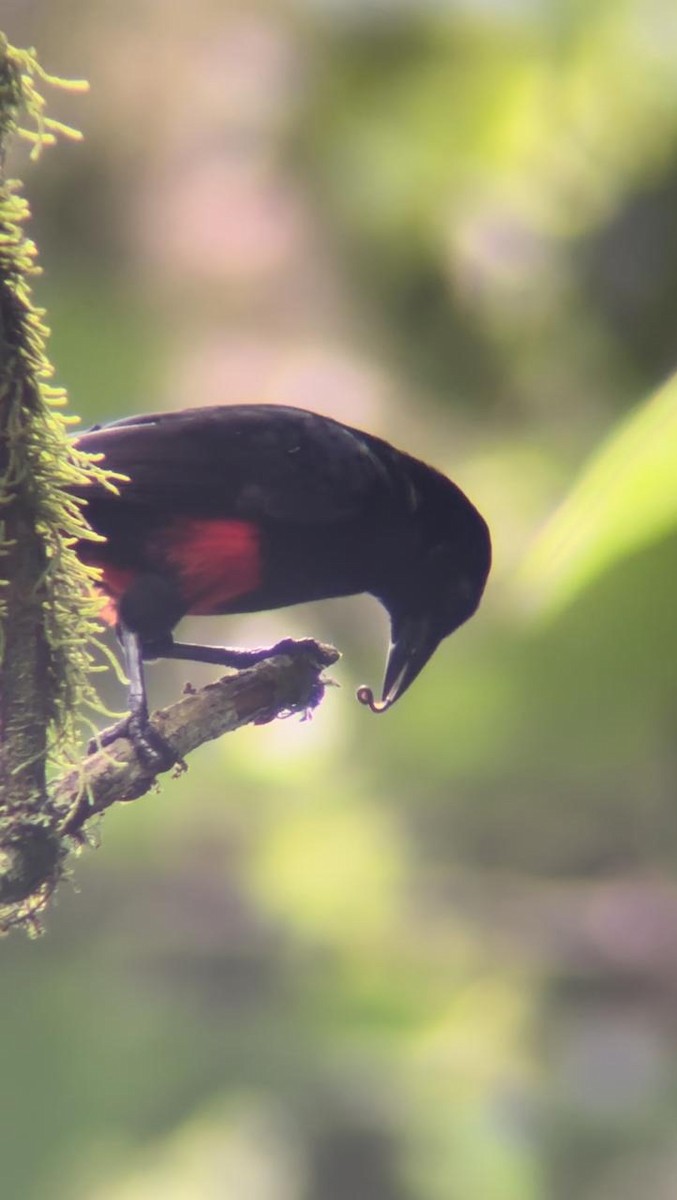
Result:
{"points": [[152, 749], [225, 656], [154, 752]]}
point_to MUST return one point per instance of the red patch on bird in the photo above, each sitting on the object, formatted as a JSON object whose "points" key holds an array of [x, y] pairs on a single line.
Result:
{"points": [[112, 585], [215, 560]]}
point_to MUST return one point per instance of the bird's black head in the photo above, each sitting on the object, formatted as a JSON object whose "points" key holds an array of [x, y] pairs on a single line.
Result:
{"points": [[435, 577]]}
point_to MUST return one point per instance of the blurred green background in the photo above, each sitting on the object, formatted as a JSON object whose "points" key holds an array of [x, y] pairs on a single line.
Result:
{"points": [[429, 956]]}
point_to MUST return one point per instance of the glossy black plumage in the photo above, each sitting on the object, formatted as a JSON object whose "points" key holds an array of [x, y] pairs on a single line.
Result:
{"points": [[320, 510]]}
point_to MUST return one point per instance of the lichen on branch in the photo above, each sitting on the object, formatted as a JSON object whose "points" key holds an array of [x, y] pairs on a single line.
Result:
{"points": [[31, 855]]}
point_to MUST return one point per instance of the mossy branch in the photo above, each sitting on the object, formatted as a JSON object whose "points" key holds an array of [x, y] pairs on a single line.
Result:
{"points": [[32, 856], [47, 605]]}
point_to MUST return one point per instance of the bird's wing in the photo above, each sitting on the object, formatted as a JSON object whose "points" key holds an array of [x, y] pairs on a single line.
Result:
{"points": [[254, 461]]}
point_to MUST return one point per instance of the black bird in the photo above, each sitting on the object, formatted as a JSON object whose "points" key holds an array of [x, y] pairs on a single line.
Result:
{"points": [[250, 507]]}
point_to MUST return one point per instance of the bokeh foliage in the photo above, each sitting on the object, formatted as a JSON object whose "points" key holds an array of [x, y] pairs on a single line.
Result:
{"points": [[431, 956]]}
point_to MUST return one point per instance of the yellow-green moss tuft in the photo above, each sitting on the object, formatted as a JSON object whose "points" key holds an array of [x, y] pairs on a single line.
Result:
{"points": [[48, 626]]}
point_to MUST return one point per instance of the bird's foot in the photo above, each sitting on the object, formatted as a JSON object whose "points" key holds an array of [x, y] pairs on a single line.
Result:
{"points": [[225, 656], [323, 655], [152, 750]]}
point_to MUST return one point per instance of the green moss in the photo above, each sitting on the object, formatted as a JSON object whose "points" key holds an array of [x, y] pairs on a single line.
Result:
{"points": [[48, 626]]}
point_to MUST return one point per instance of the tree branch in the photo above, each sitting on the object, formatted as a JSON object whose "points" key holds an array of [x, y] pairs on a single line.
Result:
{"points": [[32, 859], [47, 609]]}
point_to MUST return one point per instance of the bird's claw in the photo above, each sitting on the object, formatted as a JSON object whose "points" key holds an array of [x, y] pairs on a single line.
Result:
{"points": [[152, 750], [324, 655]]}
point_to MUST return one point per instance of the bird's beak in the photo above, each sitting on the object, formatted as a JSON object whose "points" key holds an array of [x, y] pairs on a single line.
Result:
{"points": [[413, 642]]}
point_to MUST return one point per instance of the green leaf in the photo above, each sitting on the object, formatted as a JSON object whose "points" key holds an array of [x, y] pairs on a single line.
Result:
{"points": [[625, 498]]}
